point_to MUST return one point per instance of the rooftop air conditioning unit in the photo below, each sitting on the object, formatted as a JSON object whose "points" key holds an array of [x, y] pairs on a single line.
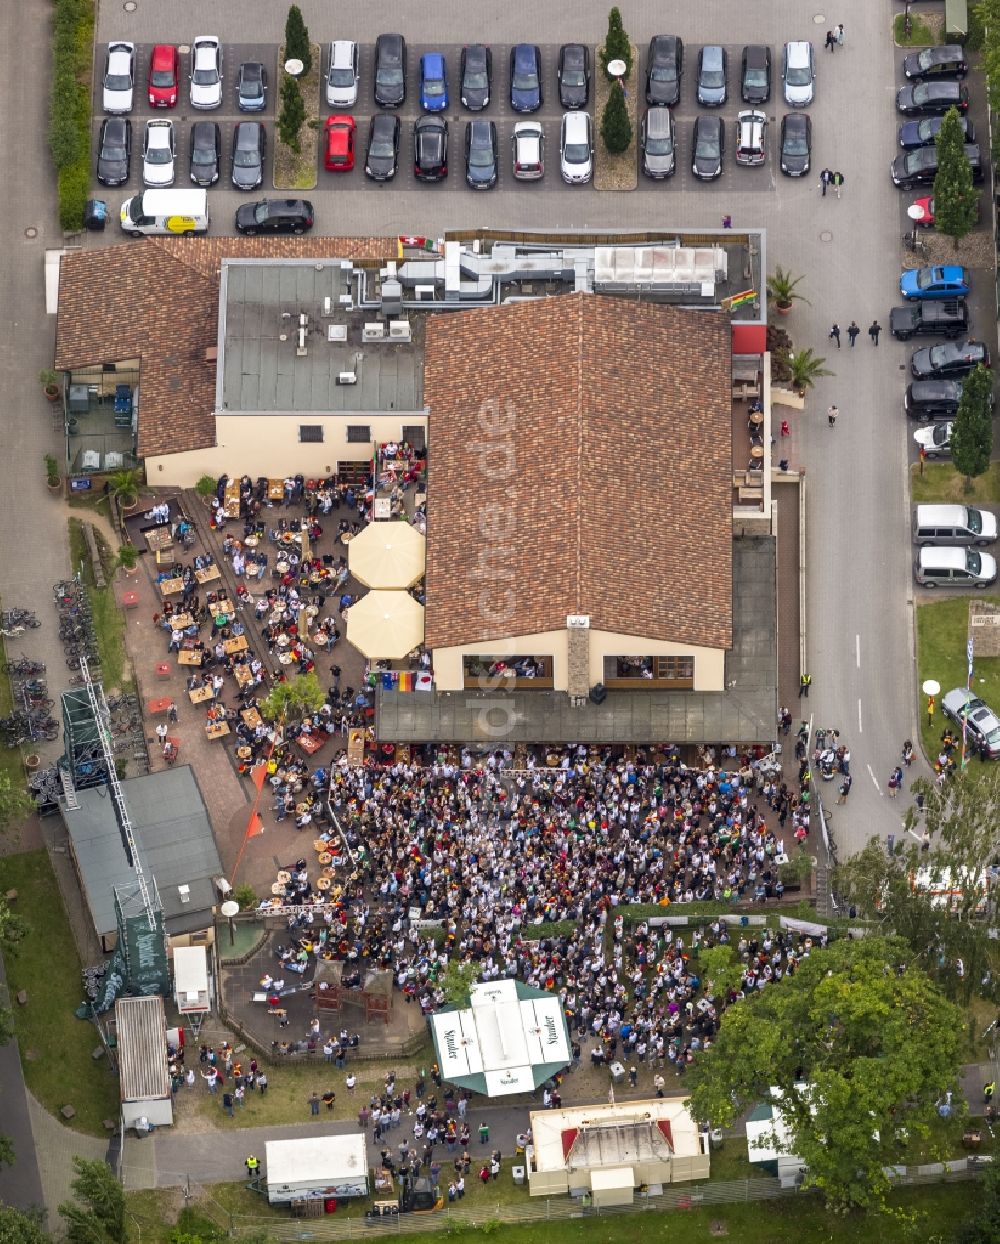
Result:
{"points": [[424, 291], [399, 330], [374, 330], [185, 893], [346, 300], [347, 377]]}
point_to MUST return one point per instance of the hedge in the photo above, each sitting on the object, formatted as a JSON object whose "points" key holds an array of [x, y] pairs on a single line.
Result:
{"points": [[69, 106]]}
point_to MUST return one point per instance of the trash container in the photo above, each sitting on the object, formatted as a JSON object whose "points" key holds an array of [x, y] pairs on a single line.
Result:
{"points": [[95, 215], [617, 1073], [518, 1174]]}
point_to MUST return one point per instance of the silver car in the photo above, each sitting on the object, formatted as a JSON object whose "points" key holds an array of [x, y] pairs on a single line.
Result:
{"points": [[798, 74], [528, 143], [751, 138], [576, 148], [934, 439], [342, 76], [658, 142], [982, 725], [119, 78], [206, 72]]}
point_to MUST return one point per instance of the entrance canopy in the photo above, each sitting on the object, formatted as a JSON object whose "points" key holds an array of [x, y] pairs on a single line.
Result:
{"points": [[511, 1039]]}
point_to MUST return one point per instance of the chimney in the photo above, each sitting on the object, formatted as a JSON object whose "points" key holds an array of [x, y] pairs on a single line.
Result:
{"points": [[577, 655]]}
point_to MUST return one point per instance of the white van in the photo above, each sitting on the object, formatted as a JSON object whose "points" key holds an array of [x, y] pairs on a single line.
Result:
{"points": [[953, 525], [165, 211]]}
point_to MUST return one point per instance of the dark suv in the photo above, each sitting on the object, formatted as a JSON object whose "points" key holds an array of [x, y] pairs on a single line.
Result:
{"points": [[933, 399], [941, 62], [947, 317], [430, 148], [390, 71], [663, 70], [275, 216]]}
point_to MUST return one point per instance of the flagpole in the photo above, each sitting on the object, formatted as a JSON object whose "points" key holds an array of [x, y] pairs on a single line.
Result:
{"points": [[968, 687]]}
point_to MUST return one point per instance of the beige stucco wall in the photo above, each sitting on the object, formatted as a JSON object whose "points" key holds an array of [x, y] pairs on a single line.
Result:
{"points": [[269, 445], [709, 663]]}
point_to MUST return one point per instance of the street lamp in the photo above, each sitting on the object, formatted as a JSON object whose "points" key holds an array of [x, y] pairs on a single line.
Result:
{"points": [[229, 909]]}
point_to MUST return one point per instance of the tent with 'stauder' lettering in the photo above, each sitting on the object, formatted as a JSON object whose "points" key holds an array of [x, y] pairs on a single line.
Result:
{"points": [[510, 1039]]}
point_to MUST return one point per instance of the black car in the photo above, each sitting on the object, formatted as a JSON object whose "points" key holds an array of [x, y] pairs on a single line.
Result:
{"points": [[526, 94], [755, 79], [275, 216], [573, 73], [382, 152], [249, 148], [947, 361], [664, 69], [482, 156], [933, 399], [206, 153], [390, 71], [796, 144], [251, 87], [941, 62], [923, 133], [476, 76], [708, 147], [930, 317], [932, 99], [919, 167], [114, 151], [430, 148]]}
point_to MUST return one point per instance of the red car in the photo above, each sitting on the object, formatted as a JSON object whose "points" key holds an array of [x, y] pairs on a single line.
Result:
{"points": [[164, 74], [924, 217], [339, 151]]}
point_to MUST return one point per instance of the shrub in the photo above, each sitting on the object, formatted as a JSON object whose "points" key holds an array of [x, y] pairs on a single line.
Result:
{"points": [[74, 186], [297, 39], [616, 45], [69, 106], [616, 128], [293, 113]]}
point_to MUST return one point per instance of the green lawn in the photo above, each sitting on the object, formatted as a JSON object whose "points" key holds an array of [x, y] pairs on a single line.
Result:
{"points": [[10, 757], [921, 34], [45, 964], [942, 629], [109, 623], [941, 482]]}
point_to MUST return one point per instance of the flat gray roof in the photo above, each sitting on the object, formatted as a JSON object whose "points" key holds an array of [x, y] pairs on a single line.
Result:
{"points": [[260, 302]]}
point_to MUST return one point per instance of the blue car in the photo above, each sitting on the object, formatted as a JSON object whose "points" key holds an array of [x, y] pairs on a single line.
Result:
{"points": [[949, 281], [525, 78], [433, 82]]}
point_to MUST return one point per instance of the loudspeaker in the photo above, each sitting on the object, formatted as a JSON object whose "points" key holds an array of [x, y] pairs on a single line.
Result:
{"points": [[598, 693]]}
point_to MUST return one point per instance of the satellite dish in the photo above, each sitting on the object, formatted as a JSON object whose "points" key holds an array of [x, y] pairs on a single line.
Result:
{"points": [[916, 212], [294, 67], [617, 68], [230, 908], [931, 687]]}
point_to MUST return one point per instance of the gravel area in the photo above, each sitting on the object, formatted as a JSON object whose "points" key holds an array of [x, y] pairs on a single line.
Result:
{"points": [[615, 172]]}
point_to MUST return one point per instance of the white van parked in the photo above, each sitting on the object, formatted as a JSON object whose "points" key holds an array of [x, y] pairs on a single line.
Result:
{"points": [[165, 211]]}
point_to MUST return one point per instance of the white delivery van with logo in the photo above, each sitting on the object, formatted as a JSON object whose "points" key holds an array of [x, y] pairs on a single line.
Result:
{"points": [[165, 212]]}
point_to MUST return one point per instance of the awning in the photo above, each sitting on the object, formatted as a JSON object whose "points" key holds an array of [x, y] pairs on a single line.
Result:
{"points": [[388, 555], [385, 625]]}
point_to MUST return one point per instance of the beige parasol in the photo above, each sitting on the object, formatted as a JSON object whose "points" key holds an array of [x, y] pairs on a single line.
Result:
{"points": [[385, 625], [388, 555]]}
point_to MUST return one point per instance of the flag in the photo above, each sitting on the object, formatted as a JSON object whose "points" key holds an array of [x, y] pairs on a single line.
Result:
{"points": [[968, 653], [258, 775], [739, 300], [255, 825]]}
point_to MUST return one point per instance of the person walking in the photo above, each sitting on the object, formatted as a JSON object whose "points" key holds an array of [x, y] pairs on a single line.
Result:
{"points": [[825, 178], [988, 1091], [658, 1083], [837, 181], [838, 34], [252, 1165], [830, 42], [484, 1133], [227, 1104], [853, 332], [262, 1083], [831, 415], [874, 328], [834, 334], [314, 1104], [805, 682], [845, 789]]}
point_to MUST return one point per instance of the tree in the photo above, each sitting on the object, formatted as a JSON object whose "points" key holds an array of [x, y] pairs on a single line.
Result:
{"points": [[987, 13], [22, 1226], [293, 113], [980, 1227], [97, 1216], [458, 981], [297, 45], [616, 128], [956, 203], [861, 1044], [616, 45], [294, 699], [972, 431], [782, 287]]}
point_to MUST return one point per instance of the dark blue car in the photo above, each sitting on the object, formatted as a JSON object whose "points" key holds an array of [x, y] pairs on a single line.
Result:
{"points": [[433, 82], [525, 78]]}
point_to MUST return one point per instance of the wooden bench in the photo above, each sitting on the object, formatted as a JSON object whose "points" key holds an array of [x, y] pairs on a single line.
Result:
{"points": [[751, 494]]}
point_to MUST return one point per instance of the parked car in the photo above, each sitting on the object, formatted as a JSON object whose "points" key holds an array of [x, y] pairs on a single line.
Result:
{"points": [[338, 144], [934, 439], [932, 98], [921, 212], [798, 74], [158, 153], [526, 93], [947, 61], [948, 361], [528, 147], [342, 77], [118, 91], [206, 72], [981, 724], [114, 151], [919, 167], [573, 75], [482, 154], [275, 216], [954, 567], [796, 144], [476, 76], [932, 399], [382, 152], [249, 150], [205, 153], [664, 68], [430, 148], [751, 138], [755, 77], [658, 143], [923, 133], [708, 147], [713, 73], [952, 525], [433, 82], [948, 317], [164, 76], [937, 281], [576, 148], [251, 87], [390, 71]]}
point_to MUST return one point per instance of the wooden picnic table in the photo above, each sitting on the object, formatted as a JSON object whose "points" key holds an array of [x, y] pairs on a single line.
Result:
{"points": [[216, 729], [251, 717], [224, 606], [158, 538], [237, 644], [208, 574], [170, 587], [200, 694], [275, 490], [181, 621], [243, 675], [190, 656], [311, 743]]}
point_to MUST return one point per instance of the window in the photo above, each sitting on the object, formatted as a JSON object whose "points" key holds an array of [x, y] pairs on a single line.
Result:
{"points": [[492, 673], [311, 433], [414, 435], [654, 673], [358, 433]]}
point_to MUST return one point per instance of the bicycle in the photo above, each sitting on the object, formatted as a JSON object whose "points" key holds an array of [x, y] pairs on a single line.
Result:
{"points": [[913, 241]]}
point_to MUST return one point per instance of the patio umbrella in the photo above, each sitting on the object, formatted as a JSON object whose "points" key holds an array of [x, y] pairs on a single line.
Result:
{"points": [[388, 555], [385, 625]]}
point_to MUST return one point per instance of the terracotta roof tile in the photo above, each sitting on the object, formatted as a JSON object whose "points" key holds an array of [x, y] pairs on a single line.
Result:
{"points": [[610, 495]]}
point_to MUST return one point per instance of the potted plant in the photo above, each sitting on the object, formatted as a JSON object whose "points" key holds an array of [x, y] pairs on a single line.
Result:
{"points": [[50, 384], [52, 474], [781, 286], [127, 558], [205, 488], [124, 486], [805, 370]]}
